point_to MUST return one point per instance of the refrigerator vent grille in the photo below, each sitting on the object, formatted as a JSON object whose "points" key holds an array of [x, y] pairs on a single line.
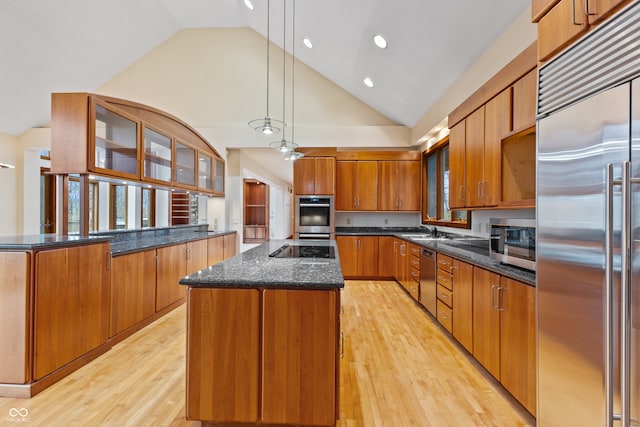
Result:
{"points": [[605, 58]]}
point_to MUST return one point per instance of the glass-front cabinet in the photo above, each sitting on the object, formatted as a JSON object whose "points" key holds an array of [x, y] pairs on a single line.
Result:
{"points": [[185, 165], [115, 144], [157, 156], [218, 176], [205, 172]]}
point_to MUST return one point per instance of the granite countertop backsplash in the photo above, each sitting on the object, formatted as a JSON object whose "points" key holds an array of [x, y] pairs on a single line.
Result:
{"points": [[255, 268], [474, 251]]}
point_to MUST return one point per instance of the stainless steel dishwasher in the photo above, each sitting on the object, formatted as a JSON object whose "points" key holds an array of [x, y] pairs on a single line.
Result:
{"points": [[428, 279]]}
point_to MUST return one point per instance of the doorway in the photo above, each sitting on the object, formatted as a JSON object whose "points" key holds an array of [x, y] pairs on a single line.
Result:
{"points": [[47, 201]]}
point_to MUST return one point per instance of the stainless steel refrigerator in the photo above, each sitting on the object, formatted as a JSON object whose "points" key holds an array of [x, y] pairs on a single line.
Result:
{"points": [[588, 228]]}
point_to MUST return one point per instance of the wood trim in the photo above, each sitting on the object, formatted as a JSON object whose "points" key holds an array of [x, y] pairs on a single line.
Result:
{"points": [[539, 8], [378, 155], [518, 67], [318, 151]]}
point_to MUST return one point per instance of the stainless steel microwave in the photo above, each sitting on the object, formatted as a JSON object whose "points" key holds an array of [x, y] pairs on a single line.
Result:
{"points": [[513, 241]]}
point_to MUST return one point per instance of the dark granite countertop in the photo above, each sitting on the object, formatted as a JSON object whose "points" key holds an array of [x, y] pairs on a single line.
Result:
{"points": [[130, 246], [254, 268], [474, 251], [47, 241]]}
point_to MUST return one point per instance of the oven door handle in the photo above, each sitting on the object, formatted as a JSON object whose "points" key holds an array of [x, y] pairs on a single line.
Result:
{"points": [[315, 205], [321, 236]]}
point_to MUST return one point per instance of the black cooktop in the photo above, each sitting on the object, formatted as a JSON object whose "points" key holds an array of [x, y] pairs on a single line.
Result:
{"points": [[304, 251]]}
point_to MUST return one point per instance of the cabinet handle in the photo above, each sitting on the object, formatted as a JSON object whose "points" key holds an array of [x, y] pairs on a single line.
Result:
{"points": [[156, 266], [461, 191], [188, 253], [573, 14], [493, 297], [341, 344], [586, 9], [500, 307], [442, 316], [108, 259]]}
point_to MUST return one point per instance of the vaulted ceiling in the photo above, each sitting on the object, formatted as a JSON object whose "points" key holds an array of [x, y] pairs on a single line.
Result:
{"points": [[78, 45]]}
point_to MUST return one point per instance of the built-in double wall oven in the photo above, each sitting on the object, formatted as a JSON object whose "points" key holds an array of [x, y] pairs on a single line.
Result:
{"points": [[315, 217]]}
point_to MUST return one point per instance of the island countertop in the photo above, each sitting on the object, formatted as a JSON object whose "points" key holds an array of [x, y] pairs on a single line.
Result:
{"points": [[255, 268]]}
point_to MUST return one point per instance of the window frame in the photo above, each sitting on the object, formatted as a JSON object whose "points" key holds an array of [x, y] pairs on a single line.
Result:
{"points": [[438, 149]]}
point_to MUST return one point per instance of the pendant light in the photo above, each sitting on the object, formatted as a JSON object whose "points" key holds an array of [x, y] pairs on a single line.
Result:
{"points": [[293, 155], [283, 145], [267, 125]]}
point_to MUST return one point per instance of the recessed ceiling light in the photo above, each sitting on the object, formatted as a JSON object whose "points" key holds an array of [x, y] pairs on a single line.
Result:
{"points": [[248, 4], [380, 41], [368, 82], [307, 42]]}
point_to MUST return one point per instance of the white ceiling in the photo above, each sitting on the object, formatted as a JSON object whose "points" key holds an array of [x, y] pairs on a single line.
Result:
{"points": [[78, 45]]}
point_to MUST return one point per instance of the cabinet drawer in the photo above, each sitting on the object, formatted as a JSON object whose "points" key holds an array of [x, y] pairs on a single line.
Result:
{"points": [[444, 262], [413, 286], [414, 250], [445, 316], [445, 295], [415, 262], [444, 279], [415, 274]]}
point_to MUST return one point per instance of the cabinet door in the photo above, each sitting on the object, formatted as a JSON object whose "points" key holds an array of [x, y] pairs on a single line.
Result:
{"points": [[486, 320], [367, 186], [348, 249], [185, 169], [599, 9], [388, 186], [560, 26], [157, 156], [172, 266], [230, 245], [346, 185], [386, 256], [367, 247], [223, 341], [474, 158], [304, 175], [133, 289], [71, 305], [114, 145], [215, 250], [463, 303], [518, 341], [325, 175], [497, 125], [457, 165], [524, 101], [196, 256], [14, 311], [299, 357], [409, 185], [205, 172]]}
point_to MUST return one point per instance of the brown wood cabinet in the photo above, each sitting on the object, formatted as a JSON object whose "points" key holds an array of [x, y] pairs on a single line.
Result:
{"points": [[299, 358], [14, 311], [474, 159], [133, 289], [229, 241], [498, 124], [387, 248], [597, 10], [457, 144], [196, 255], [289, 369], [518, 341], [215, 250], [524, 101], [398, 185], [560, 26], [314, 175], [356, 185], [486, 320], [462, 325], [358, 255], [223, 323], [172, 266], [73, 316]]}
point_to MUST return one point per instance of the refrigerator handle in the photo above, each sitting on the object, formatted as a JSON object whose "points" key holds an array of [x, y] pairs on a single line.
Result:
{"points": [[625, 306], [608, 330]]}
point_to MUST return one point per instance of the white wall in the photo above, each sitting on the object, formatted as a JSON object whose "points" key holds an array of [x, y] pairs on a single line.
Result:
{"points": [[9, 185]]}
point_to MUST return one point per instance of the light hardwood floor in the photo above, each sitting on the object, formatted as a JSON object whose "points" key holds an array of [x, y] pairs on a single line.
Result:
{"points": [[399, 369]]}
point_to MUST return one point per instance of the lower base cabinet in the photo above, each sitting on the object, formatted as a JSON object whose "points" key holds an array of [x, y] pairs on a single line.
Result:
{"points": [[358, 256], [172, 266], [261, 356]]}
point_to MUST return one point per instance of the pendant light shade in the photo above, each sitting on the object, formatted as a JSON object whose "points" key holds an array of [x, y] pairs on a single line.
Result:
{"points": [[293, 155], [267, 125], [283, 145]]}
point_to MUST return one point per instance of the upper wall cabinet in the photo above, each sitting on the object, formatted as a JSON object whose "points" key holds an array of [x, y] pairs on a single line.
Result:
{"points": [[314, 175], [122, 139], [399, 185], [562, 22]]}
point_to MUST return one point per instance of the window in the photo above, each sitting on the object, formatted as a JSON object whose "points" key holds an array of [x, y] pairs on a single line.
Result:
{"points": [[435, 174], [74, 206], [118, 211], [148, 211]]}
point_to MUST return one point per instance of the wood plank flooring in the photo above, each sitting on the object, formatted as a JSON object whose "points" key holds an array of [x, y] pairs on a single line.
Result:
{"points": [[399, 369]]}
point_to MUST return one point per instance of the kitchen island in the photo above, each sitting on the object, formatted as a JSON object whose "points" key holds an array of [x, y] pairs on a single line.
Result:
{"points": [[263, 338]]}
